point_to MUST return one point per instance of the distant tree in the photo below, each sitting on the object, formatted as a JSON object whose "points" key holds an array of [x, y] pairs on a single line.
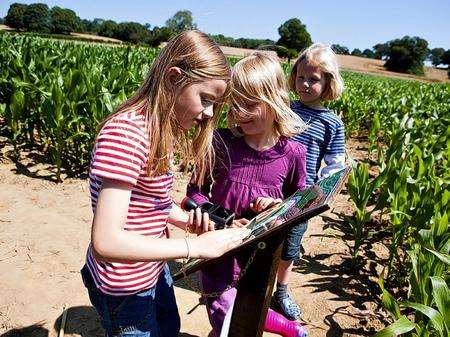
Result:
{"points": [[132, 32], [445, 59], [252, 43], [244, 42], [37, 18], [436, 56], [368, 53], [107, 28], [356, 52], [293, 35], [1, 21], [223, 40], [14, 18], [64, 20], [381, 50], [407, 55], [87, 26], [287, 53], [159, 35], [181, 21], [338, 49], [92, 27]]}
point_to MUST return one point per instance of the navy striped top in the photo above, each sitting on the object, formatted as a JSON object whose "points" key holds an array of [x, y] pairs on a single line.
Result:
{"points": [[324, 140]]}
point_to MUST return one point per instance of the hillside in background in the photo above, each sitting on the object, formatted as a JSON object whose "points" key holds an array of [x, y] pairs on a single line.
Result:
{"points": [[361, 65], [347, 62]]}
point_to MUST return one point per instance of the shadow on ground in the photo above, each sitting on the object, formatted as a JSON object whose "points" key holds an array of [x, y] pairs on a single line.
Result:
{"points": [[336, 275], [35, 330], [33, 163], [81, 321]]}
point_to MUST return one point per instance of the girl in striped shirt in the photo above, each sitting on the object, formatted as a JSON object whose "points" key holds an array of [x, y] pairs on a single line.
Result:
{"points": [[126, 274], [315, 78]]}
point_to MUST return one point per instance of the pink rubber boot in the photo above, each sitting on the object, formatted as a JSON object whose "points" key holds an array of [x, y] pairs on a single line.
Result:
{"points": [[277, 323]]}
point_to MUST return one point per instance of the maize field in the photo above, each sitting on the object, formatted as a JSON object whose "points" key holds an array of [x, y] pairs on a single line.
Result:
{"points": [[54, 94]]}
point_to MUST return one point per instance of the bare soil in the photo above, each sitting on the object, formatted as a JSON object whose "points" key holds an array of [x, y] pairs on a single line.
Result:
{"points": [[5, 27], [96, 37], [45, 229], [376, 67]]}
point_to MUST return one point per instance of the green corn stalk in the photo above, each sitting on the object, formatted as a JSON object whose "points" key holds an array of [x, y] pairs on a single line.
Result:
{"points": [[15, 112], [56, 123], [375, 138], [360, 189]]}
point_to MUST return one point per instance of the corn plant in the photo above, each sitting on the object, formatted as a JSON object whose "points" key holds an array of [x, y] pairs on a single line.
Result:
{"points": [[54, 94], [360, 190]]}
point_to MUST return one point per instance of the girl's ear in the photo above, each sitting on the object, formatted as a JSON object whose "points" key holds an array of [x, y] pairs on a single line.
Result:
{"points": [[173, 75]]}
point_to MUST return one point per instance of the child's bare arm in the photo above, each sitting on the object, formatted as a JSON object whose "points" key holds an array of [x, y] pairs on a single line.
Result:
{"points": [[110, 242]]}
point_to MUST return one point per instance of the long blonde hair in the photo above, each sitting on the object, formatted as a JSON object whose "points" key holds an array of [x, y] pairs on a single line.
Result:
{"points": [[199, 58], [260, 78]]}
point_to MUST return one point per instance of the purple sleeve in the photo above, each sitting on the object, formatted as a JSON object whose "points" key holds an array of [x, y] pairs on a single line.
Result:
{"points": [[296, 178], [199, 194]]}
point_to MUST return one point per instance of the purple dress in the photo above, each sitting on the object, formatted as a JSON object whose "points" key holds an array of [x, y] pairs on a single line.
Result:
{"points": [[241, 174]]}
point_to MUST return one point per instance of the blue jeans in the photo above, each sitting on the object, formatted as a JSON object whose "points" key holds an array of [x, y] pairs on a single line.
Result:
{"points": [[292, 242], [150, 313]]}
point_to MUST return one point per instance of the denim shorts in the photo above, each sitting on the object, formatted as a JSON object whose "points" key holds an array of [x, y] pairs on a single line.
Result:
{"points": [[149, 313], [292, 242]]}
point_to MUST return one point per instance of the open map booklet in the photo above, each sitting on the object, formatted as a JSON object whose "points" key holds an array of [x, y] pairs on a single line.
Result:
{"points": [[299, 207]]}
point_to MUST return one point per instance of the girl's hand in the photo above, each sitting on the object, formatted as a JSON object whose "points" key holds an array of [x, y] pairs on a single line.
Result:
{"points": [[214, 244], [240, 223], [199, 222], [262, 203]]}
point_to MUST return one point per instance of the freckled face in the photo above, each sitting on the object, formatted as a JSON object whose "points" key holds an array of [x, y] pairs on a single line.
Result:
{"points": [[196, 101], [310, 83]]}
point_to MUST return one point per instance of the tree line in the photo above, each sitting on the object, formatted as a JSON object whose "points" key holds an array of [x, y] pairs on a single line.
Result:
{"points": [[402, 55]]}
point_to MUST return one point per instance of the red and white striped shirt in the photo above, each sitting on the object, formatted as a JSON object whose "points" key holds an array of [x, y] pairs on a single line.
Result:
{"points": [[121, 153]]}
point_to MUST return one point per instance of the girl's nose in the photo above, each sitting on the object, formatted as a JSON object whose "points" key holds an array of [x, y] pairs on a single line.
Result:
{"points": [[208, 112]]}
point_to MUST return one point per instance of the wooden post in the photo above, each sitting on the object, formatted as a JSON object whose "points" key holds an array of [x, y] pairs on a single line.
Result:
{"points": [[254, 289]]}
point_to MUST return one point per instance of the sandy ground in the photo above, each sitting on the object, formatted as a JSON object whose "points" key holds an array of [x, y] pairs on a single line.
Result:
{"points": [[5, 27], [376, 67], [96, 37], [44, 232]]}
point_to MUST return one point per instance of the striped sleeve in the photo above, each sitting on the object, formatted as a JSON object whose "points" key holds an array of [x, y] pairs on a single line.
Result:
{"points": [[120, 151], [336, 145], [334, 156]]}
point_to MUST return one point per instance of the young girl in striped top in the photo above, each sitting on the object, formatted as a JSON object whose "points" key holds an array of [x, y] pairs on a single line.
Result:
{"points": [[315, 78], [126, 274]]}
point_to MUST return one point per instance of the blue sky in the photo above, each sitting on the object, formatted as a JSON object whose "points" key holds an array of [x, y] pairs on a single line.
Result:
{"points": [[355, 24]]}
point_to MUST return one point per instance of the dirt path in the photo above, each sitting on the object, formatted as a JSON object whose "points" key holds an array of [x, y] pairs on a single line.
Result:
{"points": [[44, 232]]}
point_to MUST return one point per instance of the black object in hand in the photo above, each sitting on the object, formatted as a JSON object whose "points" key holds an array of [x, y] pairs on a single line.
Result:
{"points": [[220, 215]]}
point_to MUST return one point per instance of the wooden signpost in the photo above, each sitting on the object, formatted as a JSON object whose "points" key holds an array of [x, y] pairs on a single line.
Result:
{"points": [[263, 246]]}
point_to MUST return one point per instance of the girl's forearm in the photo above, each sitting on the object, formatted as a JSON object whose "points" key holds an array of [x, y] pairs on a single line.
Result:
{"points": [[129, 246]]}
